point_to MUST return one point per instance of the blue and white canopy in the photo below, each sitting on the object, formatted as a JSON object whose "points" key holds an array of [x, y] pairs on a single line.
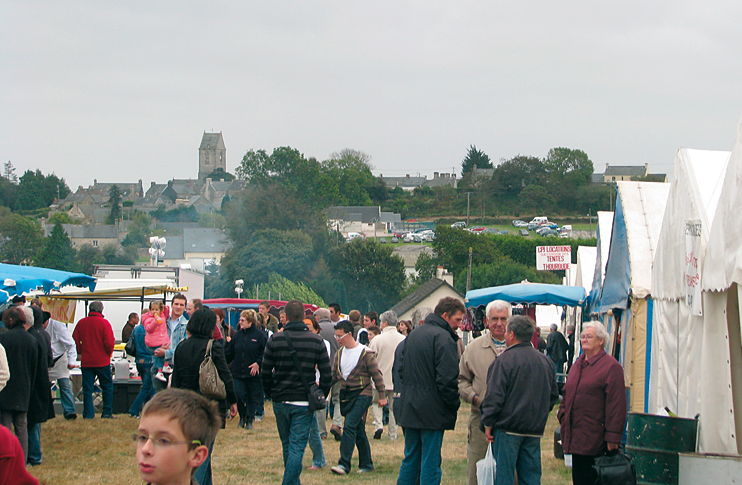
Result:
{"points": [[16, 280], [528, 293]]}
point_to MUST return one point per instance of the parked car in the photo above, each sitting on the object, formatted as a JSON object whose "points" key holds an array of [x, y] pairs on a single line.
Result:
{"points": [[539, 220], [518, 223], [401, 234], [503, 233], [549, 232], [355, 235], [418, 238], [532, 226], [477, 230], [395, 240], [407, 238], [382, 240], [551, 225], [460, 224], [565, 228], [563, 235], [524, 232], [542, 229]]}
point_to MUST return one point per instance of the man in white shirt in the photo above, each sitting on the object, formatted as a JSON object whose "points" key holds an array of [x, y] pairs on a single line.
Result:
{"points": [[64, 355], [384, 346]]}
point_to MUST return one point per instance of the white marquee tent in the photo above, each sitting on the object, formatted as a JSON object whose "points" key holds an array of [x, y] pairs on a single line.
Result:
{"points": [[678, 331]]}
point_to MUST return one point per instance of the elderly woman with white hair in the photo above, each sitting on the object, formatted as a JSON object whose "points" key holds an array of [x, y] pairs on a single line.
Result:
{"points": [[593, 411]]}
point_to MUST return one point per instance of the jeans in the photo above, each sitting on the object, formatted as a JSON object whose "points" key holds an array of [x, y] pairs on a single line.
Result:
{"points": [[315, 443], [422, 457], [293, 424], [354, 435], [157, 362], [249, 393], [203, 472], [65, 394], [106, 384], [146, 392], [517, 453], [337, 418], [34, 444], [17, 420]]}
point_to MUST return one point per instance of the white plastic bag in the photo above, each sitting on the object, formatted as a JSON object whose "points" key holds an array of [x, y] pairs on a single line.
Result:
{"points": [[486, 468]]}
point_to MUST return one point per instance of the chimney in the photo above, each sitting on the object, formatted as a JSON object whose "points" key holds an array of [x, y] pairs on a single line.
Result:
{"points": [[151, 184], [606, 166], [435, 175], [407, 175], [442, 274]]}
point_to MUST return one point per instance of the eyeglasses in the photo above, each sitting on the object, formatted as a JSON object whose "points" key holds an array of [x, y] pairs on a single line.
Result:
{"points": [[341, 337], [141, 440]]}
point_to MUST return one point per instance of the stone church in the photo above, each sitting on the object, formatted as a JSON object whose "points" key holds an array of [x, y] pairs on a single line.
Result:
{"points": [[212, 155]]}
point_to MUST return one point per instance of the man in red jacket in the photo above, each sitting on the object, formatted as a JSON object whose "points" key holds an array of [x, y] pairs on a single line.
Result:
{"points": [[93, 336]]}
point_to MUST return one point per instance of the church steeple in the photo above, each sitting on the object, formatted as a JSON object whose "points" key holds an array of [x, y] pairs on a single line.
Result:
{"points": [[212, 154]]}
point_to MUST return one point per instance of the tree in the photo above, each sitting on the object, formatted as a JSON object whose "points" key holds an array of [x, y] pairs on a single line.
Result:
{"points": [[280, 288], [474, 159], [37, 191], [20, 237], [220, 174], [350, 170], [58, 252], [114, 201], [568, 163], [139, 231], [9, 173], [87, 257], [373, 276]]}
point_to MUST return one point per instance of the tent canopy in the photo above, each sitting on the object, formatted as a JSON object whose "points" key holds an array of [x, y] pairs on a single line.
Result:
{"points": [[528, 293], [637, 220], [135, 292], [24, 279]]}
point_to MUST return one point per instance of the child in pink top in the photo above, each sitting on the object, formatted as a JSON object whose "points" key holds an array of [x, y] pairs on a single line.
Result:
{"points": [[155, 324]]}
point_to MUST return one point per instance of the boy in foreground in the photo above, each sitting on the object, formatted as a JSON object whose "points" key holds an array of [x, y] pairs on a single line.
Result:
{"points": [[175, 431]]}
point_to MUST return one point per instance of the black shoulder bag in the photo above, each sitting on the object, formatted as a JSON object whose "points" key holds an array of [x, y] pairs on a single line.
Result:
{"points": [[615, 468], [130, 348], [315, 395]]}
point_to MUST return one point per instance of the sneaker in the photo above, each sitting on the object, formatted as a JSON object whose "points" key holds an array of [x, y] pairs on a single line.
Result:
{"points": [[315, 467], [258, 418], [336, 432], [339, 470], [160, 376], [167, 369], [365, 470], [70, 416], [108, 416], [378, 433]]}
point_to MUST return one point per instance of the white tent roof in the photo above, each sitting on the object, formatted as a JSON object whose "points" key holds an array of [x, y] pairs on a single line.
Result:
{"points": [[723, 258], [643, 209], [586, 257], [694, 195]]}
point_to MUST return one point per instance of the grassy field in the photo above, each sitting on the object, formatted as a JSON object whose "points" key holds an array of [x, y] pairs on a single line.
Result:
{"points": [[101, 451]]}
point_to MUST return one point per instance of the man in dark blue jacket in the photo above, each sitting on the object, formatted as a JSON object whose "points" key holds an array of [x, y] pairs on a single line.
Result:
{"points": [[282, 383], [521, 390], [426, 370]]}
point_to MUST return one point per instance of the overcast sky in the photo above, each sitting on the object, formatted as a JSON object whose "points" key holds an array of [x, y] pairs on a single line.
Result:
{"points": [[124, 90]]}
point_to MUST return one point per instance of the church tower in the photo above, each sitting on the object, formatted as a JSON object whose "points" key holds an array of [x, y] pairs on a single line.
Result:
{"points": [[212, 155]]}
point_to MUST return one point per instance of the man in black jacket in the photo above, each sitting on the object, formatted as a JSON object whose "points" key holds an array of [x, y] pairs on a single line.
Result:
{"points": [[556, 348], [521, 390], [284, 385], [426, 370]]}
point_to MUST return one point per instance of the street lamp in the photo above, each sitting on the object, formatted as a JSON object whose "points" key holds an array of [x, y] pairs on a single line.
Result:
{"points": [[157, 249], [238, 288]]}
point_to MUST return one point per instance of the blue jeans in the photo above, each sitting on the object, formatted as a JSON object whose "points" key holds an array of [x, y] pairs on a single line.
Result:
{"points": [[34, 444], [106, 384], [157, 362], [146, 392], [203, 472], [249, 393], [517, 453], [354, 435], [315, 443], [65, 394], [422, 457], [293, 424]]}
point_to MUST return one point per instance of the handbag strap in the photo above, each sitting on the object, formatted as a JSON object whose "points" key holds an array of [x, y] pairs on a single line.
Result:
{"points": [[296, 361], [208, 348]]}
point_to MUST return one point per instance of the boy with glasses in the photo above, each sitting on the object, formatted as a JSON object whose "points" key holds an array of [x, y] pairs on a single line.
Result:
{"points": [[175, 432]]}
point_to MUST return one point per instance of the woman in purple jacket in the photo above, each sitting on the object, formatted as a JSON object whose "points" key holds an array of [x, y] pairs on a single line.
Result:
{"points": [[593, 411]]}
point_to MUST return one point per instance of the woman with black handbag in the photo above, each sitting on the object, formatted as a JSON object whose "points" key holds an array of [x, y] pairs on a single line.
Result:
{"points": [[593, 411], [355, 367], [187, 364]]}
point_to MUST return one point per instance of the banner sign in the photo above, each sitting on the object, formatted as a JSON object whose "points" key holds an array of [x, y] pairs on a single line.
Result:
{"points": [[552, 258], [693, 266]]}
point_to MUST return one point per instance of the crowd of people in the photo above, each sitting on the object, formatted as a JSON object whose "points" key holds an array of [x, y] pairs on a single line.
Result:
{"points": [[410, 374]]}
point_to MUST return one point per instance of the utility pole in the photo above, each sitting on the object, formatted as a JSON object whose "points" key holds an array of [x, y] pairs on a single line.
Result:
{"points": [[468, 194], [468, 273]]}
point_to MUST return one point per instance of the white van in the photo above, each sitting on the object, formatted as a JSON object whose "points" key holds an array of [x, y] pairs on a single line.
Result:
{"points": [[540, 220]]}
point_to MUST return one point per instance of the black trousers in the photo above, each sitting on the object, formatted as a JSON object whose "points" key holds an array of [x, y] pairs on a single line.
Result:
{"points": [[582, 470]]}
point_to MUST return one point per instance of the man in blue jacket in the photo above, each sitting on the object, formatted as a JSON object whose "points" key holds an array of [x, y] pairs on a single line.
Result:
{"points": [[426, 370]]}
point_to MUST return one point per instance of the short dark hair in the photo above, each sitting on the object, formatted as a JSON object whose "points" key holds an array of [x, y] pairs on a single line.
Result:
{"points": [[522, 327], [198, 303], [13, 317], [19, 299], [335, 307], [179, 296], [198, 417], [354, 316], [374, 330], [372, 316], [313, 322], [219, 313], [132, 314], [266, 304], [96, 306], [37, 302], [345, 326], [294, 310], [449, 305], [202, 323]]}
